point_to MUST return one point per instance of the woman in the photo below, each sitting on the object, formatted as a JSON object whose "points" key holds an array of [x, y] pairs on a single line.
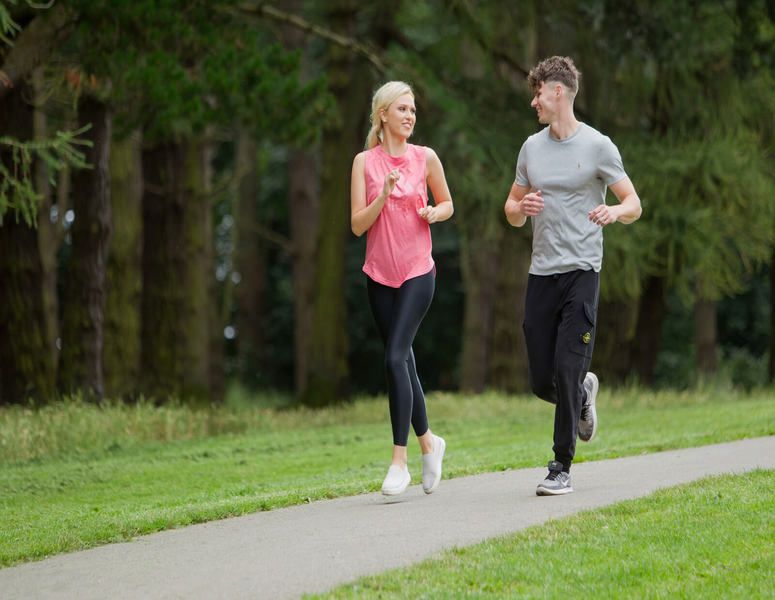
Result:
{"points": [[389, 199]]}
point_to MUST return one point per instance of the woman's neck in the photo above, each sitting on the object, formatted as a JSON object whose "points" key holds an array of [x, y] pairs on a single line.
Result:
{"points": [[394, 145]]}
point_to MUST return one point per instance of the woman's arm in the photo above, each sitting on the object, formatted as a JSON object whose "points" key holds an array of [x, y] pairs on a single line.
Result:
{"points": [[443, 207], [362, 216]]}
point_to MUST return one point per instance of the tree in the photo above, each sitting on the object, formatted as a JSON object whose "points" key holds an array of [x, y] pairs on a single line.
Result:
{"points": [[27, 369], [121, 350], [349, 82], [84, 298]]}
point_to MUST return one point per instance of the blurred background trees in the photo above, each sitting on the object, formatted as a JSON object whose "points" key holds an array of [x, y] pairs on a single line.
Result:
{"points": [[174, 190]]}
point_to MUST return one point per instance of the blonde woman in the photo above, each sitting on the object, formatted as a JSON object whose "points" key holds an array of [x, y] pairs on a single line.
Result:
{"points": [[389, 201]]}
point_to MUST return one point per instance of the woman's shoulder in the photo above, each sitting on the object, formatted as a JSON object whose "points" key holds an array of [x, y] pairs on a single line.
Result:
{"points": [[424, 151], [360, 158], [430, 154]]}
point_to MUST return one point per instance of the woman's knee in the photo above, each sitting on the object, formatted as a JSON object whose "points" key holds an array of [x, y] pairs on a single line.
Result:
{"points": [[395, 360]]}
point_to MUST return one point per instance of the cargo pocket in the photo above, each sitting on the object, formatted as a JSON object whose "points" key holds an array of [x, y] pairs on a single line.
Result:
{"points": [[583, 332]]}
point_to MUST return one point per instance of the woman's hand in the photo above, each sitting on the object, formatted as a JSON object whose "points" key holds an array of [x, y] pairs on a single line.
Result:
{"points": [[429, 213], [390, 182]]}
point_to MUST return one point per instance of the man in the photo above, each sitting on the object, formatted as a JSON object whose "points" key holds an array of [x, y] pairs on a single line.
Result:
{"points": [[562, 175]]}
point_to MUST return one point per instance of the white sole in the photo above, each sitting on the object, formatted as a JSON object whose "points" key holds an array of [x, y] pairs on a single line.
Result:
{"points": [[544, 492], [595, 388]]}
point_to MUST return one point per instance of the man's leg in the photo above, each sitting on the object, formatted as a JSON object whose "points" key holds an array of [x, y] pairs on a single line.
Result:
{"points": [[575, 343], [542, 311]]}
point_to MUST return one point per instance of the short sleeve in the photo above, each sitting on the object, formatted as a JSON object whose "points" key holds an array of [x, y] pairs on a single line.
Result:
{"points": [[521, 174], [610, 168]]}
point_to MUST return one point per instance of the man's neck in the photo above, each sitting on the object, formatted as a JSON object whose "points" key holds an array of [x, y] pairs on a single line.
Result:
{"points": [[564, 127]]}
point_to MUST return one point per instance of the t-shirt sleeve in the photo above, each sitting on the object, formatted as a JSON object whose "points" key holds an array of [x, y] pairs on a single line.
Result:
{"points": [[610, 168], [521, 175]]}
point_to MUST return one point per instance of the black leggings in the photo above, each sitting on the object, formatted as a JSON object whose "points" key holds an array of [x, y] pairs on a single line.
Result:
{"points": [[398, 313]]}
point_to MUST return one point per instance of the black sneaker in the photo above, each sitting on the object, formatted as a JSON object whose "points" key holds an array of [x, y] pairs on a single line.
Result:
{"points": [[557, 482], [588, 418]]}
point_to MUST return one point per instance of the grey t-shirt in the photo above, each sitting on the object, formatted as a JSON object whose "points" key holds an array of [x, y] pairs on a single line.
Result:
{"points": [[573, 175]]}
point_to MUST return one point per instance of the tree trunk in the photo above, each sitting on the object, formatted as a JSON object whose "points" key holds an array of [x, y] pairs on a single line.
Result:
{"points": [[648, 332], [508, 365], [27, 367], [176, 309], [349, 82], [251, 261], [304, 204], [83, 304], [479, 269], [124, 274], [705, 336], [201, 236], [48, 240], [304, 213], [771, 371]]}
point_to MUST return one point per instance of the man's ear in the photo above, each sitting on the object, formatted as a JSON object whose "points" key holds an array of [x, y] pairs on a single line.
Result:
{"points": [[558, 90]]}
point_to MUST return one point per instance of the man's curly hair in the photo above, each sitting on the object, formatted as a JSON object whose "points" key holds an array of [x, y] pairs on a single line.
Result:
{"points": [[555, 68]]}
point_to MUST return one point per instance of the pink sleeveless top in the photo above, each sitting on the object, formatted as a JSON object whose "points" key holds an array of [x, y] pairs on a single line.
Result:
{"points": [[398, 244]]}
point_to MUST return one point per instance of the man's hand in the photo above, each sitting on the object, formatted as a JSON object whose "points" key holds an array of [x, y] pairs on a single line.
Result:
{"points": [[604, 215], [531, 204]]}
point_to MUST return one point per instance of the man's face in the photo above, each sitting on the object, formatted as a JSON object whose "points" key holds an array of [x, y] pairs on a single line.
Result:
{"points": [[546, 101]]}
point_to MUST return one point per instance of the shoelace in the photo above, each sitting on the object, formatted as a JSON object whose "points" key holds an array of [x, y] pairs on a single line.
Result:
{"points": [[553, 475], [585, 412]]}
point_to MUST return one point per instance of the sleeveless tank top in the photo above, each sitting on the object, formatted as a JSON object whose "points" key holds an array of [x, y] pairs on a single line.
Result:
{"points": [[398, 244]]}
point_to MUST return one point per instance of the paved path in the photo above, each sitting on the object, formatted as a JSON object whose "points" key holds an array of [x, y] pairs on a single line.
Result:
{"points": [[311, 548]]}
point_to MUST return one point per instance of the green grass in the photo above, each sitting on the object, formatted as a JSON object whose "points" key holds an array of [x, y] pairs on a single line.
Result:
{"points": [[143, 469], [710, 539]]}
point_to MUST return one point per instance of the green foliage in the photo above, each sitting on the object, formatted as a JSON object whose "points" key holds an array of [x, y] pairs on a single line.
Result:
{"points": [[177, 67], [694, 138], [708, 209], [16, 187]]}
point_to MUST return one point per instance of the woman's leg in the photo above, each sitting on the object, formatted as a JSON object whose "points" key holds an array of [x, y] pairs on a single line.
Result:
{"points": [[419, 415], [407, 401], [398, 313]]}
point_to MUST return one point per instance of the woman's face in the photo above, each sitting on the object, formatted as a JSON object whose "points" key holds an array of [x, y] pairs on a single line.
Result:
{"points": [[400, 116]]}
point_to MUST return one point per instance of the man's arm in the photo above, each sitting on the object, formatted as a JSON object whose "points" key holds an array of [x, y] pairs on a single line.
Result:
{"points": [[520, 204], [627, 211]]}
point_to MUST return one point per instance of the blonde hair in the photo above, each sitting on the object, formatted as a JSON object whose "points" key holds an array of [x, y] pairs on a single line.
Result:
{"points": [[382, 99]]}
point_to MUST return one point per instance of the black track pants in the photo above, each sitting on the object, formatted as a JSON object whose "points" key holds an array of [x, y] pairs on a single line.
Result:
{"points": [[560, 316], [398, 313]]}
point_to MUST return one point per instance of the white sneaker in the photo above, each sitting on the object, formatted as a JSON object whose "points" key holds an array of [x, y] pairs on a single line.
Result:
{"points": [[396, 480], [431, 465]]}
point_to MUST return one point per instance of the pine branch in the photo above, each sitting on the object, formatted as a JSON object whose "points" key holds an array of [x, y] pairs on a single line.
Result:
{"points": [[17, 192]]}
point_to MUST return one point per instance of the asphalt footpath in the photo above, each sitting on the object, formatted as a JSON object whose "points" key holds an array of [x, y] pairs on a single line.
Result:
{"points": [[315, 547]]}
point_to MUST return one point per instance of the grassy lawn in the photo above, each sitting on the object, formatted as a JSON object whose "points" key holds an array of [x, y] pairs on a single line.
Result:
{"points": [[709, 539], [74, 476]]}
